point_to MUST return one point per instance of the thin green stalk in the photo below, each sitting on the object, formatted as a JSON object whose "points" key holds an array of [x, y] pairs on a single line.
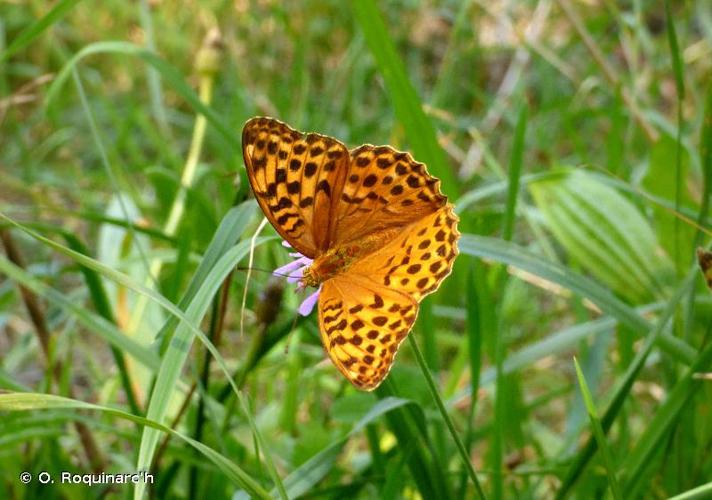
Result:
{"points": [[152, 76], [515, 170], [498, 420], [474, 341], [205, 383], [598, 433], [446, 417], [99, 143], [680, 88], [207, 80], [608, 71]]}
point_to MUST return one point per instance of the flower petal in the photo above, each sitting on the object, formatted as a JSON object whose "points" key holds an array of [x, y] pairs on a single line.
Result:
{"points": [[308, 304], [290, 267]]}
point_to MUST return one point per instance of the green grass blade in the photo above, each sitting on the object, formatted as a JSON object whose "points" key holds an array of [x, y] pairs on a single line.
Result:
{"points": [[598, 433], [516, 256], [171, 75], [176, 355], [662, 422], [677, 66], [703, 492], [34, 30], [625, 384], [408, 106], [515, 171], [14, 402], [464, 455], [680, 88]]}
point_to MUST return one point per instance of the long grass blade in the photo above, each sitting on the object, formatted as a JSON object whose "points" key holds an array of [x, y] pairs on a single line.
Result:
{"points": [[598, 433], [407, 104], [516, 256], [624, 385], [14, 402], [27, 35]]}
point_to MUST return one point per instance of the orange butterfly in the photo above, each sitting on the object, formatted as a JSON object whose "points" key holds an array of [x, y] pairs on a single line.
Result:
{"points": [[374, 232]]}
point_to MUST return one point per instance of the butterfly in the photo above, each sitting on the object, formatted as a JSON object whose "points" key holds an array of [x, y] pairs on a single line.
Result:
{"points": [[374, 227]]}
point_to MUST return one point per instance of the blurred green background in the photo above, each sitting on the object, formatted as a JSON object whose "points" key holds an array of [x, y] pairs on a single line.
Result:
{"points": [[574, 138]]}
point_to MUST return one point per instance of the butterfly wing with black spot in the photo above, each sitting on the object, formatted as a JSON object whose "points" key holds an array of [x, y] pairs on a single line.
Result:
{"points": [[297, 179], [366, 312], [384, 189], [362, 324]]}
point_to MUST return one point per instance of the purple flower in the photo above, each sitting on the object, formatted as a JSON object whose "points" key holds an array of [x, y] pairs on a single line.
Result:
{"points": [[294, 271]]}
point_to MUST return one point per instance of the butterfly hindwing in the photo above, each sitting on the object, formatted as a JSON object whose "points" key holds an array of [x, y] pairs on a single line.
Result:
{"points": [[366, 312], [418, 259], [296, 179], [362, 324]]}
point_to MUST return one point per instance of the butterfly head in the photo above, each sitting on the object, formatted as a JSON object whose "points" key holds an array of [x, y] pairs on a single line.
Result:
{"points": [[309, 278]]}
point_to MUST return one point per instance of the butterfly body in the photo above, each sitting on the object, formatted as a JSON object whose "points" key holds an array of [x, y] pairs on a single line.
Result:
{"points": [[337, 260], [381, 235]]}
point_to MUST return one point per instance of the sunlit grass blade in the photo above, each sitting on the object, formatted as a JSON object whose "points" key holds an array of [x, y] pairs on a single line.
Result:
{"points": [[93, 322], [15, 402], [516, 256], [171, 75], [680, 88], [703, 492], [57, 12], [176, 355], [598, 433], [624, 385], [408, 106], [514, 173], [662, 423], [464, 455]]}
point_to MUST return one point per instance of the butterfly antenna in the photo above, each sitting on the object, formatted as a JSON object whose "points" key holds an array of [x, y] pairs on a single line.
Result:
{"points": [[249, 273], [259, 269]]}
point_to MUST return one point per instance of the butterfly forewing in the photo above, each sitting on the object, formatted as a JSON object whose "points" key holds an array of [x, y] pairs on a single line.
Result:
{"points": [[296, 178], [384, 189]]}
